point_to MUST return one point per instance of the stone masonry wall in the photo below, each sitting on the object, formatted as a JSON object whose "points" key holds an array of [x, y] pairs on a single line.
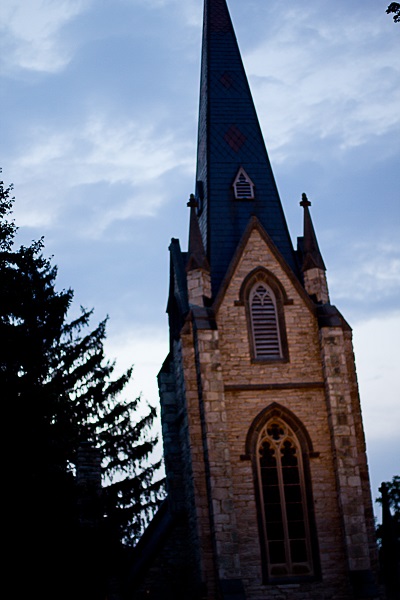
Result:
{"points": [[199, 285], [298, 385], [362, 450], [211, 397], [197, 494], [345, 448], [217, 452], [315, 284]]}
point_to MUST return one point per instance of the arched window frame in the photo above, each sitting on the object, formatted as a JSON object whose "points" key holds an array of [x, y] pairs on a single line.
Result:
{"points": [[261, 276], [276, 413]]}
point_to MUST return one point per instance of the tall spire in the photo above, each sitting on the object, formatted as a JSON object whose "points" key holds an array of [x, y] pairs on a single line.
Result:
{"points": [[230, 139]]}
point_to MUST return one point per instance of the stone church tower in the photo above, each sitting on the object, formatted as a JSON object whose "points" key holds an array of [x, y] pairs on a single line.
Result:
{"points": [[267, 477]]}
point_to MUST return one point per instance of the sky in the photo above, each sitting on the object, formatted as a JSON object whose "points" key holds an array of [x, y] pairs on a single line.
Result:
{"points": [[98, 126]]}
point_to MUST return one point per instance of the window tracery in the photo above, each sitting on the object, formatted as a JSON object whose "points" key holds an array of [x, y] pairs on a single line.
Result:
{"points": [[280, 474]]}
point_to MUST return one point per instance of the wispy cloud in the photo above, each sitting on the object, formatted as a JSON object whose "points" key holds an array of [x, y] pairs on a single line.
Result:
{"points": [[31, 32], [328, 80], [372, 279], [62, 165]]}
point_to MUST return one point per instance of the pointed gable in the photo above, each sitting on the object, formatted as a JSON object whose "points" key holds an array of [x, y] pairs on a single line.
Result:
{"points": [[256, 250]]}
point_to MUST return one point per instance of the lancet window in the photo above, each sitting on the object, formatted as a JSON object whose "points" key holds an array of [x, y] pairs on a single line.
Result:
{"points": [[264, 322], [282, 493]]}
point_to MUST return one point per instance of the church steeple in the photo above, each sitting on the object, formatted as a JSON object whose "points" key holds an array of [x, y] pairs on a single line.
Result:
{"points": [[231, 145], [266, 471]]}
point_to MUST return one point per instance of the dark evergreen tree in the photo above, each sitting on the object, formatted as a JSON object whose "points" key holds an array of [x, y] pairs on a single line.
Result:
{"points": [[61, 400]]}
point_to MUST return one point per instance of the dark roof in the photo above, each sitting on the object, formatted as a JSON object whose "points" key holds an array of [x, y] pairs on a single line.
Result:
{"points": [[178, 303], [229, 137], [149, 544], [197, 258]]}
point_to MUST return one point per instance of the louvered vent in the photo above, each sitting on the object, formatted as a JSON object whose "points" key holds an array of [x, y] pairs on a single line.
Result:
{"points": [[243, 186], [264, 324]]}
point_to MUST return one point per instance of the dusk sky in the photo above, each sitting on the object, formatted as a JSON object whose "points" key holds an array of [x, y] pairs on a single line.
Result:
{"points": [[99, 102]]}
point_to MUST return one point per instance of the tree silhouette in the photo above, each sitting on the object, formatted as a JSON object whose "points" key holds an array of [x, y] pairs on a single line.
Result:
{"points": [[388, 534], [394, 8], [61, 401]]}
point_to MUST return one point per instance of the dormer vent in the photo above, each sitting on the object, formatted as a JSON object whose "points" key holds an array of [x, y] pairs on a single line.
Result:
{"points": [[243, 186]]}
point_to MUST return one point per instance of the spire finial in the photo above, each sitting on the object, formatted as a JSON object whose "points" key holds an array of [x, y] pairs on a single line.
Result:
{"points": [[192, 202], [304, 200]]}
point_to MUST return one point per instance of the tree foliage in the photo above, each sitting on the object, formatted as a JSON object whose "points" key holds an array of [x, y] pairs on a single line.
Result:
{"points": [[388, 535], [60, 395], [390, 502], [394, 8], [392, 489]]}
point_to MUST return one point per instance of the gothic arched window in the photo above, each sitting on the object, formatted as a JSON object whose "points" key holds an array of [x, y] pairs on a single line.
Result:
{"points": [[264, 322], [264, 298], [283, 502]]}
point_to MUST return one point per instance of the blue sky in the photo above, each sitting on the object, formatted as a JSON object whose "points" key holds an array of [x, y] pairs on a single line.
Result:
{"points": [[99, 105]]}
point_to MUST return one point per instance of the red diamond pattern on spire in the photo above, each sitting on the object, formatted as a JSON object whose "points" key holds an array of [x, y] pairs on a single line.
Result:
{"points": [[226, 80], [235, 138]]}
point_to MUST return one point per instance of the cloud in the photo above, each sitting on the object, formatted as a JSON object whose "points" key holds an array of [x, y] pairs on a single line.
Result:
{"points": [[31, 32], [145, 349], [336, 78], [188, 7], [125, 159], [378, 376], [373, 279]]}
